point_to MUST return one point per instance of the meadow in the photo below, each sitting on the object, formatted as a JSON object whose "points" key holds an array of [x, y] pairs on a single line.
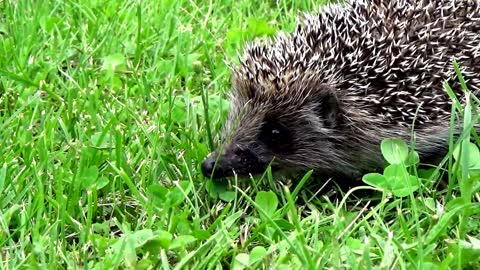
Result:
{"points": [[107, 109]]}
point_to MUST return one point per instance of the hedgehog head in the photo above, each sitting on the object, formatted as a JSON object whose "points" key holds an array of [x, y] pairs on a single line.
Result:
{"points": [[283, 118]]}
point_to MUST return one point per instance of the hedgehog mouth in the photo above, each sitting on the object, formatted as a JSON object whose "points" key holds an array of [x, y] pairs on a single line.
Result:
{"points": [[222, 172]]}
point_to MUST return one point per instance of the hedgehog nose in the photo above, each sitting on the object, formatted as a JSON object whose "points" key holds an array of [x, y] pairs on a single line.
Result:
{"points": [[207, 166]]}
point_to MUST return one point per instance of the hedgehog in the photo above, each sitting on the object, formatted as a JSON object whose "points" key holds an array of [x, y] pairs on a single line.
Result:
{"points": [[324, 97]]}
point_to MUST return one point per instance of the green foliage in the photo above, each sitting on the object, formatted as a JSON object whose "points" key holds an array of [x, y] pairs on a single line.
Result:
{"points": [[106, 110], [396, 177]]}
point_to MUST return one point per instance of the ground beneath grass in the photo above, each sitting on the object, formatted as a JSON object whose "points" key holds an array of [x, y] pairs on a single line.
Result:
{"points": [[103, 124]]}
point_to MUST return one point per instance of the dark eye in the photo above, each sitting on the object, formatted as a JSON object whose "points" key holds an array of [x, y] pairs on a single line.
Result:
{"points": [[276, 136]]}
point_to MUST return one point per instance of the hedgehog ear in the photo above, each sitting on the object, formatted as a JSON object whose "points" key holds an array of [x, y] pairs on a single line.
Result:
{"points": [[327, 107]]}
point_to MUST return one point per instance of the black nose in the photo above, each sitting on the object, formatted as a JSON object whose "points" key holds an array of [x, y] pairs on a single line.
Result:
{"points": [[207, 166]]}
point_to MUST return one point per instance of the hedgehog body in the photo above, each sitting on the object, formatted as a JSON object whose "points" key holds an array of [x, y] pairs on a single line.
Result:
{"points": [[325, 96]]}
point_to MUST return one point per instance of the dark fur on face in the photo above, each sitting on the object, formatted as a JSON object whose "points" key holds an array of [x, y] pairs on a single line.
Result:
{"points": [[326, 96]]}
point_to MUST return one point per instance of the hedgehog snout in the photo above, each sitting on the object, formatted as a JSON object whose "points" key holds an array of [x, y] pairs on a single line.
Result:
{"points": [[241, 162], [215, 166], [208, 165]]}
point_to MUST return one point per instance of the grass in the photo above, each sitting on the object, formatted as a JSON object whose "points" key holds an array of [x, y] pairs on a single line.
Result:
{"points": [[103, 125]]}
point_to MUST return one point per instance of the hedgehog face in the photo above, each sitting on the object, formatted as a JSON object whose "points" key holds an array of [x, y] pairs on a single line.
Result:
{"points": [[252, 147], [287, 134]]}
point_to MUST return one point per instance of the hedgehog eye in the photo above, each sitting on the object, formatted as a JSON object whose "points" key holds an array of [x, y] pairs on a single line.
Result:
{"points": [[275, 135]]}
